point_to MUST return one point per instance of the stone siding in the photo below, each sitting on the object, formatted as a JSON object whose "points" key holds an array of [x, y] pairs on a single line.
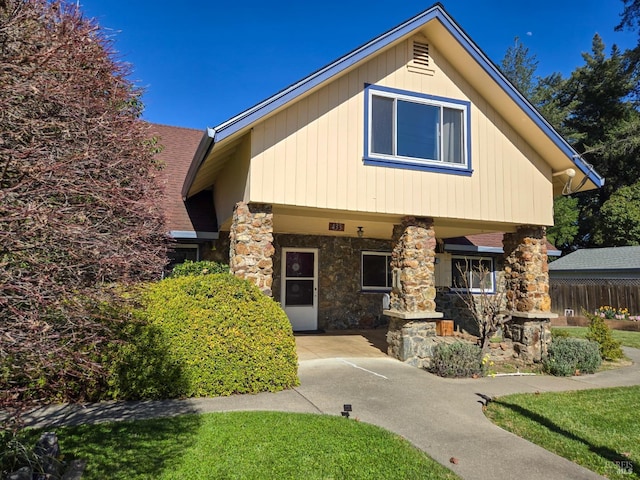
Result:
{"points": [[412, 341], [412, 263], [250, 247], [341, 302], [530, 338], [526, 270]]}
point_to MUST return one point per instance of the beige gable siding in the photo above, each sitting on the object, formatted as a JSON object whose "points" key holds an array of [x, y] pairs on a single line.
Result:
{"points": [[311, 154], [232, 184]]}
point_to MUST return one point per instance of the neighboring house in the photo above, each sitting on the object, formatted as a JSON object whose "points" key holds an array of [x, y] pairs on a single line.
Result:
{"points": [[345, 185], [594, 277]]}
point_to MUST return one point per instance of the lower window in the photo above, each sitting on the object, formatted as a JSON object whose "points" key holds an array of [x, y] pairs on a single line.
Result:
{"points": [[180, 253], [473, 274], [376, 271]]}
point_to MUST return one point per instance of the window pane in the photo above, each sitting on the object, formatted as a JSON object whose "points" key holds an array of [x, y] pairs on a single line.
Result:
{"points": [[458, 271], [382, 125], [374, 271], [418, 130], [299, 264], [452, 147], [299, 292]]}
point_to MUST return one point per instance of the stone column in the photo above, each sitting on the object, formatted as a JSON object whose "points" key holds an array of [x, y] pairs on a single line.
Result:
{"points": [[412, 305], [526, 274], [251, 249]]}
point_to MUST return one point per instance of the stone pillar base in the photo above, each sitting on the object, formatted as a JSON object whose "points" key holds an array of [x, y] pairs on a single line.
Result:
{"points": [[411, 341], [530, 333]]}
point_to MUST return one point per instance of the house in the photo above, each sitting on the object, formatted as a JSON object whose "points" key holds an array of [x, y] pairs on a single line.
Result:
{"points": [[343, 187], [593, 277]]}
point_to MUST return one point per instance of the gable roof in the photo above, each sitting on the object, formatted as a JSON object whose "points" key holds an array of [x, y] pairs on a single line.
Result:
{"points": [[178, 147], [254, 114], [610, 258]]}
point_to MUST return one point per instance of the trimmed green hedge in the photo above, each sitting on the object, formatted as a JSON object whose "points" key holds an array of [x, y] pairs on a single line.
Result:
{"points": [[201, 267], [206, 335]]}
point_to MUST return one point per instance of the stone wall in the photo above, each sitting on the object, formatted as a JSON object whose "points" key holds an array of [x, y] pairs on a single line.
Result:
{"points": [[526, 270], [250, 244], [341, 302], [530, 338], [412, 341]]}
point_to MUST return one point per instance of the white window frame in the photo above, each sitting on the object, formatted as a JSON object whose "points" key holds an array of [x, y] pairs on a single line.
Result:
{"points": [[470, 258], [417, 163], [373, 288]]}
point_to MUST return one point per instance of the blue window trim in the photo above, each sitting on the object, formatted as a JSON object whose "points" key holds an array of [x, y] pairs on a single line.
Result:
{"points": [[420, 165]]}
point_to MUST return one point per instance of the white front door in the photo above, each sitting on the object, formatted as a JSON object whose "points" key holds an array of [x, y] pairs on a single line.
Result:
{"points": [[299, 296]]}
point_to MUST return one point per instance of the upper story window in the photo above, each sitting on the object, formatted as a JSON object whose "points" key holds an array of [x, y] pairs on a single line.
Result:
{"points": [[417, 131]]}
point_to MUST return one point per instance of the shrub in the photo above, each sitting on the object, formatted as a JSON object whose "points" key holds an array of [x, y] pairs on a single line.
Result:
{"points": [[206, 335], [568, 356], [599, 332], [203, 267], [457, 360]]}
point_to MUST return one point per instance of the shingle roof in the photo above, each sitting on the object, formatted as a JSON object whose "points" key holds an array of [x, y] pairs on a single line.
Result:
{"points": [[179, 145], [486, 240], [611, 258]]}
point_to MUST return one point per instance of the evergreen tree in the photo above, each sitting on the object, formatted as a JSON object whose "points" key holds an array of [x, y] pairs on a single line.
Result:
{"points": [[519, 66]]}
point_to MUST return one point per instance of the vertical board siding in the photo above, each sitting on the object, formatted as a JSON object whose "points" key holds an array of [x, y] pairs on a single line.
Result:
{"points": [[311, 154], [589, 297]]}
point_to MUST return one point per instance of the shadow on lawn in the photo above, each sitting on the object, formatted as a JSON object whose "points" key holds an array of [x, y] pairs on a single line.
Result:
{"points": [[624, 464], [127, 450]]}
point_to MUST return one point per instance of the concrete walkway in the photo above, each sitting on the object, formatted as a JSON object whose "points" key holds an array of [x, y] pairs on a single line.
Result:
{"points": [[443, 417]]}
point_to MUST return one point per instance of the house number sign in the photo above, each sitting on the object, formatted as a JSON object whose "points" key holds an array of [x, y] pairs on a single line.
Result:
{"points": [[336, 227]]}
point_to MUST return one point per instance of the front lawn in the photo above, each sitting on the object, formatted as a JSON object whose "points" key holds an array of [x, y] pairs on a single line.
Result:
{"points": [[598, 429], [246, 445], [628, 339]]}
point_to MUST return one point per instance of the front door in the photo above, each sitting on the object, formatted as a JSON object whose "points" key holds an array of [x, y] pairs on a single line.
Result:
{"points": [[300, 287]]}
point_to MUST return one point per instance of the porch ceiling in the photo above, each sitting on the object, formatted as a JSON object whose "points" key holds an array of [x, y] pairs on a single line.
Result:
{"points": [[308, 221]]}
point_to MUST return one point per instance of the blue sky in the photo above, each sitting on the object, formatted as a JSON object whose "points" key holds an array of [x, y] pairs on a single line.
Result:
{"points": [[202, 61]]}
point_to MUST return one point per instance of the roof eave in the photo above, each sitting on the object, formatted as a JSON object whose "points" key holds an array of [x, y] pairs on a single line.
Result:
{"points": [[204, 147]]}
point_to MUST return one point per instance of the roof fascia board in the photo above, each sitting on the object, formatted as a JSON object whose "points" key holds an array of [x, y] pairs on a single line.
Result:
{"points": [[204, 147], [193, 235], [472, 248]]}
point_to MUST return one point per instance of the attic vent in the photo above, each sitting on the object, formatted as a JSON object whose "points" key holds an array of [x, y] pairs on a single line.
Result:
{"points": [[419, 57], [421, 54]]}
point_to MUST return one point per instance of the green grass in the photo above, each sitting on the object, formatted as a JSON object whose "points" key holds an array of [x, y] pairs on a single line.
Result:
{"points": [[598, 429], [246, 445], [628, 339]]}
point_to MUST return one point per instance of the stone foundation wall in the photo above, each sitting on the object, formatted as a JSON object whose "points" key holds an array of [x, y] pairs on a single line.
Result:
{"points": [[341, 302], [530, 338], [412, 341]]}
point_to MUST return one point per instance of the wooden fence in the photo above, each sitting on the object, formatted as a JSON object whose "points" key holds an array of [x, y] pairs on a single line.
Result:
{"points": [[576, 297]]}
